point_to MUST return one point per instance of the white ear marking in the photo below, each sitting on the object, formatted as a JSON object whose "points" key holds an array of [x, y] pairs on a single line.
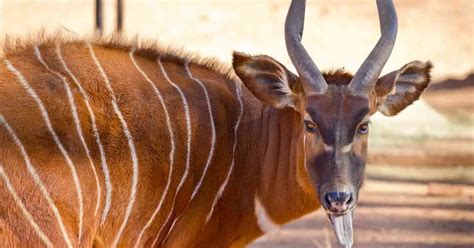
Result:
{"points": [[283, 84]]}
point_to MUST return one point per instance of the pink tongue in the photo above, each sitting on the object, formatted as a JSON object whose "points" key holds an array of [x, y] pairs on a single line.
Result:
{"points": [[343, 229]]}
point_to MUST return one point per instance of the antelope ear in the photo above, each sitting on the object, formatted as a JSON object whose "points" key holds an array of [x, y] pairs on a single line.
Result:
{"points": [[268, 80], [398, 89]]}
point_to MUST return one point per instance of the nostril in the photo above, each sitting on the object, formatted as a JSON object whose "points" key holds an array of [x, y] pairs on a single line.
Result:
{"points": [[339, 197], [345, 197], [350, 200], [328, 200], [338, 201], [331, 199]]}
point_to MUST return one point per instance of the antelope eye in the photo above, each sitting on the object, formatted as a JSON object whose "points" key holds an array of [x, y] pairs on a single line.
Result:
{"points": [[363, 128], [310, 127]]}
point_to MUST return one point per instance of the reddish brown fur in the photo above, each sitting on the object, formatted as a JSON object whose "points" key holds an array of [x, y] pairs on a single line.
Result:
{"points": [[336, 145], [142, 112], [269, 161]]}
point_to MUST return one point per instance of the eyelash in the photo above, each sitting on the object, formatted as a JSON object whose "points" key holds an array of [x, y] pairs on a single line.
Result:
{"points": [[310, 127], [363, 128]]}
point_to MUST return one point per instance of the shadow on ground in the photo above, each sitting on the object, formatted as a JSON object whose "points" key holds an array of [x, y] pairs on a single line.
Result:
{"points": [[389, 214]]}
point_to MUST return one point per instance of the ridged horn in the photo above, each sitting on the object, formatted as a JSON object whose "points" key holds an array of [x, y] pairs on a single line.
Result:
{"points": [[366, 77], [311, 78]]}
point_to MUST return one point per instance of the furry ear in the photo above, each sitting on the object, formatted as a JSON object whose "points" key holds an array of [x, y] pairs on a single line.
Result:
{"points": [[268, 80], [398, 89]]}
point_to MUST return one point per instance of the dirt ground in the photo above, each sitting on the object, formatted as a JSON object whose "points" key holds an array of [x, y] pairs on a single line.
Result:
{"points": [[419, 190], [453, 100], [391, 214]]}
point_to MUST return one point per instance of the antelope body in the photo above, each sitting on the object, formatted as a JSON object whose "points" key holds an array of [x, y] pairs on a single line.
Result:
{"points": [[182, 155], [104, 143]]}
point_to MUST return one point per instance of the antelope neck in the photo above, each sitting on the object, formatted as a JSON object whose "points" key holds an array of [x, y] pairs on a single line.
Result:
{"points": [[283, 186]]}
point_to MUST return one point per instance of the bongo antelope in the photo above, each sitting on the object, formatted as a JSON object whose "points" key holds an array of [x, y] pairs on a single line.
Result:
{"points": [[106, 143]]}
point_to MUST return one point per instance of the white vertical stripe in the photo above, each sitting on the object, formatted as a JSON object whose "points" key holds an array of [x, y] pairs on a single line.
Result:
{"points": [[32, 170], [211, 151], [213, 140], [131, 146], [208, 163], [23, 209], [213, 127], [105, 168], [188, 143], [213, 132], [172, 151], [168, 233], [45, 115], [72, 105], [238, 92], [264, 221]]}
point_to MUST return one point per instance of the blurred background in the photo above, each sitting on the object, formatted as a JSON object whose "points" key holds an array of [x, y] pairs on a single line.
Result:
{"points": [[419, 190]]}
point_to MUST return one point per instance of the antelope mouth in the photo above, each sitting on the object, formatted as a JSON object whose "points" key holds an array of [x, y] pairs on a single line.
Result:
{"points": [[342, 225]]}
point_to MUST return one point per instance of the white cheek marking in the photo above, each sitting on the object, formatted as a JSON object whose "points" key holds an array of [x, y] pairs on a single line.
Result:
{"points": [[130, 143], [346, 148], [32, 170], [23, 209], [264, 221]]}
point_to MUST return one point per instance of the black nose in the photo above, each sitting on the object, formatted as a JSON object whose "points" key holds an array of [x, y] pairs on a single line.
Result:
{"points": [[338, 202]]}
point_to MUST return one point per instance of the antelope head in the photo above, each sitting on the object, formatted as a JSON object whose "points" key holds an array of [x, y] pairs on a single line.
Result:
{"points": [[335, 108]]}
